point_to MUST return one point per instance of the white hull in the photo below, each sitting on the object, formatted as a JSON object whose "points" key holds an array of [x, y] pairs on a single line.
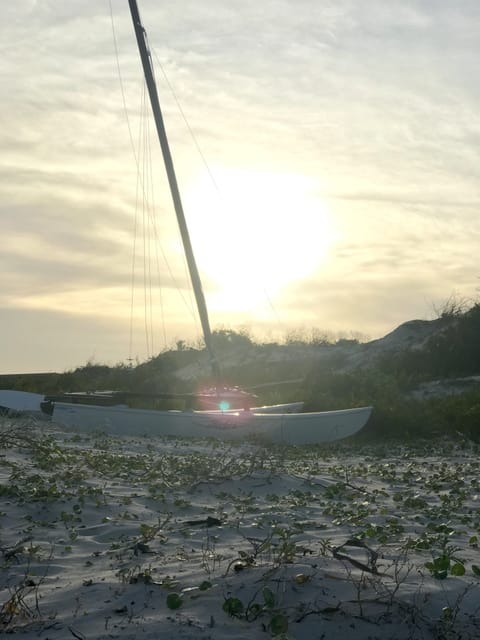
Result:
{"points": [[288, 428]]}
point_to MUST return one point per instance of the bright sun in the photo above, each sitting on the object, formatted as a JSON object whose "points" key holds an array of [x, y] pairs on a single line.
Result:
{"points": [[255, 233]]}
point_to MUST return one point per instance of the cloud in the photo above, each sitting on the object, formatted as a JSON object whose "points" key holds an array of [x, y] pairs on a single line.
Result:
{"points": [[373, 102]]}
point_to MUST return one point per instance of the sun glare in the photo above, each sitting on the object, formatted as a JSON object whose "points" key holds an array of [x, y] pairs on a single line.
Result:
{"points": [[255, 233]]}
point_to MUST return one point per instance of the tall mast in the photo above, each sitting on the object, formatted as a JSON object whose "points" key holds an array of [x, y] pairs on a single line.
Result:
{"points": [[146, 58]]}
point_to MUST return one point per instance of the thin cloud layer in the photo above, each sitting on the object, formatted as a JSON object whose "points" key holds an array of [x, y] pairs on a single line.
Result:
{"points": [[374, 104]]}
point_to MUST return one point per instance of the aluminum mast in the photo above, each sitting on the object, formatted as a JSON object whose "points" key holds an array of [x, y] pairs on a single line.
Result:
{"points": [[146, 58]]}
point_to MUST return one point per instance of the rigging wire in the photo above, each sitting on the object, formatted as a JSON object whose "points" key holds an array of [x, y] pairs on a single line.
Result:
{"points": [[187, 124], [149, 214], [143, 147], [142, 188], [190, 305], [205, 162], [132, 275], [152, 221]]}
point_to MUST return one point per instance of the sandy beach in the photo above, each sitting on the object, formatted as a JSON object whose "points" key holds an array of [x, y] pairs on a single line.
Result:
{"points": [[115, 537]]}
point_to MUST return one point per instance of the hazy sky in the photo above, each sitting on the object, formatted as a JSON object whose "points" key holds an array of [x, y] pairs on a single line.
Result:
{"points": [[339, 186]]}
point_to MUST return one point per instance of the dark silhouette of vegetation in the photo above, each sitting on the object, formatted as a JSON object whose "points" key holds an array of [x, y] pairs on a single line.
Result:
{"points": [[452, 351]]}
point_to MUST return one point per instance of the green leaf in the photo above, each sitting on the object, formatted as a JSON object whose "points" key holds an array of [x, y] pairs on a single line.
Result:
{"points": [[442, 563], [439, 567], [447, 613], [458, 569], [269, 598], [174, 601], [476, 570], [278, 624], [205, 585], [234, 607]]}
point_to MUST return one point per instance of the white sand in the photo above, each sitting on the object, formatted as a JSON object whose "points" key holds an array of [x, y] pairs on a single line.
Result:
{"points": [[97, 532]]}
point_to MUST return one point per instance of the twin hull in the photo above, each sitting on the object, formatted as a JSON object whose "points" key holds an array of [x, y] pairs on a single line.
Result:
{"points": [[288, 428]]}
